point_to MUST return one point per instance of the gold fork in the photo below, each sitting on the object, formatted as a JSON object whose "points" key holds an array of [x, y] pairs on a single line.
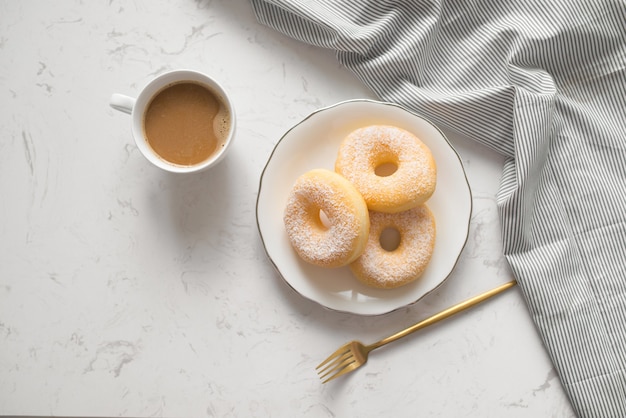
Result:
{"points": [[354, 354]]}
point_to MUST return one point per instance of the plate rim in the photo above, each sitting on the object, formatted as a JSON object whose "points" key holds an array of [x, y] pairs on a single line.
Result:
{"points": [[377, 102]]}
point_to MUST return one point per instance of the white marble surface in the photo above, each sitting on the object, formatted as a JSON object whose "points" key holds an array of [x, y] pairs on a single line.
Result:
{"points": [[126, 291]]}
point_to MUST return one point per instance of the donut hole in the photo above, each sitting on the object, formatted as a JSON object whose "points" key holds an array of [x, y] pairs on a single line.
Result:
{"points": [[385, 169], [323, 220], [389, 238]]}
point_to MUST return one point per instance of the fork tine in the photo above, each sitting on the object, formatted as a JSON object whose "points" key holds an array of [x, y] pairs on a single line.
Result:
{"points": [[335, 362], [345, 361], [348, 357], [342, 350], [348, 368]]}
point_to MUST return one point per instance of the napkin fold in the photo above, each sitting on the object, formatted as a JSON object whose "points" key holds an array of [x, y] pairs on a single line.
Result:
{"points": [[544, 85]]}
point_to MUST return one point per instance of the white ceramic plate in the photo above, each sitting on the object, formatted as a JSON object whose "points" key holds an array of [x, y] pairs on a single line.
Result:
{"points": [[313, 143]]}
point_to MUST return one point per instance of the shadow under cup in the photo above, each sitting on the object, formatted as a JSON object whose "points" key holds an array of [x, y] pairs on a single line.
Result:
{"points": [[156, 88]]}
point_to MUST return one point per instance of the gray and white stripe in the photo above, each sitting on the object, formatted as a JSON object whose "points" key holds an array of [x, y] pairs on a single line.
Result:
{"points": [[543, 83]]}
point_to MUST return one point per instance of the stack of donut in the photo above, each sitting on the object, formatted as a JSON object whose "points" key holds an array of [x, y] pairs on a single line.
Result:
{"points": [[383, 177]]}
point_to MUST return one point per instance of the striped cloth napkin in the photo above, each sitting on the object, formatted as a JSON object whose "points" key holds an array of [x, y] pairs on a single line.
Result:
{"points": [[545, 85]]}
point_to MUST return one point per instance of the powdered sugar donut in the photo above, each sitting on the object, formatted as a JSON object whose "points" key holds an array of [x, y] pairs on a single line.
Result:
{"points": [[378, 267], [365, 151], [344, 237]]}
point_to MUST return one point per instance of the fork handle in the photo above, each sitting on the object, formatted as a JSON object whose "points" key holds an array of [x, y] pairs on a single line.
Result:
{"points": [[443, 315]]}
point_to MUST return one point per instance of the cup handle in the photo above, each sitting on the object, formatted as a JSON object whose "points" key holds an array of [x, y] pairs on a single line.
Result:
{"points": [[122, 103]]}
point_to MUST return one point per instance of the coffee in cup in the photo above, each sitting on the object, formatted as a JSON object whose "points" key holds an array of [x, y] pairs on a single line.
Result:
{"points": [[182, 121]]}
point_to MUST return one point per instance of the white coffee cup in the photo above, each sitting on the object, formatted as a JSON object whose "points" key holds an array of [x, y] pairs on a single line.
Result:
{"points": [[137, 107]]}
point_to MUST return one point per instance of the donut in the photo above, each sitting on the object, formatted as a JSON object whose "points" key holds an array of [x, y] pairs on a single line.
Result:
{"points": [[394, 267], [410, 176], [341, 238]]}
